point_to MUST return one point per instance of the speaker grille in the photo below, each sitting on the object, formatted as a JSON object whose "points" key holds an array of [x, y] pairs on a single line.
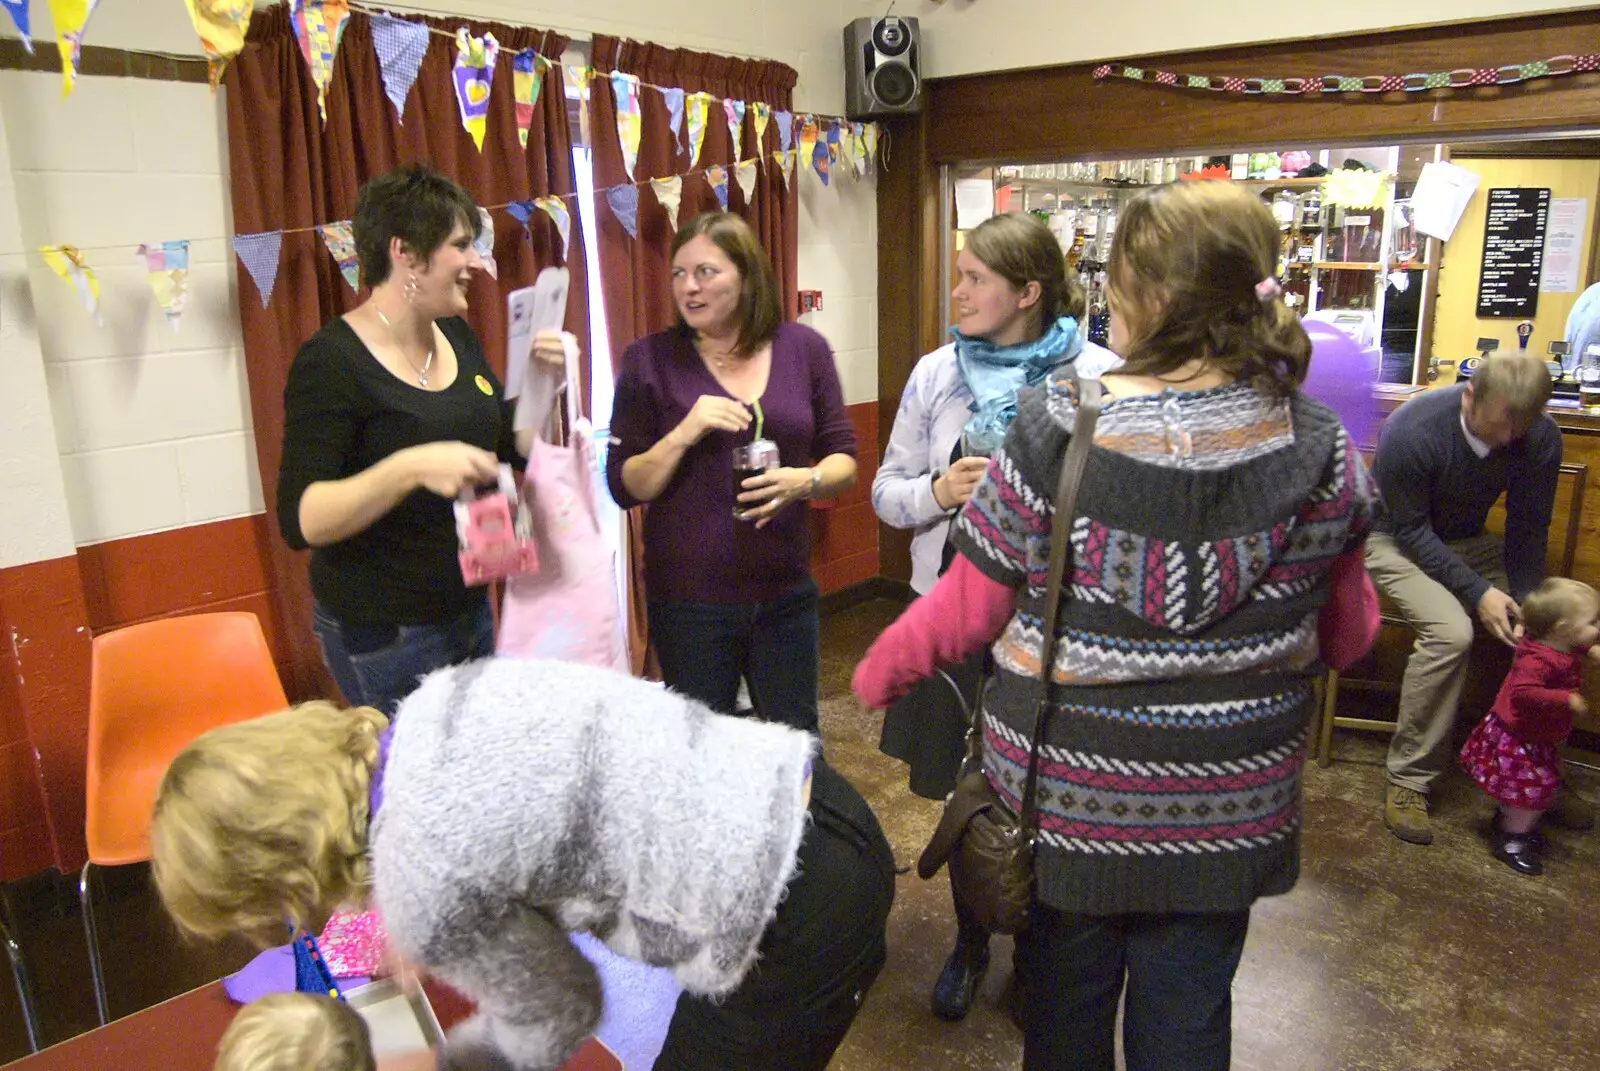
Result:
{"points": [[893, 84]]}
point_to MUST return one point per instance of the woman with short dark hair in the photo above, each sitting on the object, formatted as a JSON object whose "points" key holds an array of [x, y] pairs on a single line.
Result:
{"points": [[729, 596]]}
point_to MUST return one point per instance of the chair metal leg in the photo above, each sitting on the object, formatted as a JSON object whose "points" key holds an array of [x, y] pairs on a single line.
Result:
{"points": [[91, 934], [19, 972], [1330, 707]]}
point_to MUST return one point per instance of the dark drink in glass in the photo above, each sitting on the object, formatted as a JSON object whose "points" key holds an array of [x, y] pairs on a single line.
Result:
{"points": [[751, 459]]}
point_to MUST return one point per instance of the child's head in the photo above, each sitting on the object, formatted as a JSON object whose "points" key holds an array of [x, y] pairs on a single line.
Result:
{"points": [[1191, 277], [296, 1032], [1563, 610], [262, 825]]}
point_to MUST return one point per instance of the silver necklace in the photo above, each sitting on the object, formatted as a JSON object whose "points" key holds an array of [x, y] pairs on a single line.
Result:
{"points": [[422, 373]]}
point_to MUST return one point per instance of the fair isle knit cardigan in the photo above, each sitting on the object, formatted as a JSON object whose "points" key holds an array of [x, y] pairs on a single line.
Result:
{"points": [[1205, 527]]}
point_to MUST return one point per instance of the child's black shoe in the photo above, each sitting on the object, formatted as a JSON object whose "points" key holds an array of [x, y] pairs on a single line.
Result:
{"points": [[1519, 851]]}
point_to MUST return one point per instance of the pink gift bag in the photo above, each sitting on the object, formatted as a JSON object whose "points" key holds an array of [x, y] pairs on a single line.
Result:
{"points": [[568, 609]]}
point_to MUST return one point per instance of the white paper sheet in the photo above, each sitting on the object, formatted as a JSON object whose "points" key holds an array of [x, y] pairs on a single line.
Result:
{"points": [[1563, 241], [974, 202], [1443, 190], [536, 308]]}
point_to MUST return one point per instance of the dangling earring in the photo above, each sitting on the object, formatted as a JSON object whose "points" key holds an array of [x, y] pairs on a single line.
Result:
{"points": [[410, 289]]}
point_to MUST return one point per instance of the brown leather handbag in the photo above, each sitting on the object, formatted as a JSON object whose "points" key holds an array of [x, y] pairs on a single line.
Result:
{"points": [[990, 847]]}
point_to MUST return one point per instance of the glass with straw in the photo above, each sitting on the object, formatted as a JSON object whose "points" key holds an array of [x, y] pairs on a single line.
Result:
{"points": [[751, 460]]}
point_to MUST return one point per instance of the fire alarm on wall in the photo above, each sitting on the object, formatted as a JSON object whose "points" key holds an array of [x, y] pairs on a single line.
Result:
{"points": [[810, 301]]}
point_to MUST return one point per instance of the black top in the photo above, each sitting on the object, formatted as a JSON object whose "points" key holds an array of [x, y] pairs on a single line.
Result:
{"points": [[343, 412]]}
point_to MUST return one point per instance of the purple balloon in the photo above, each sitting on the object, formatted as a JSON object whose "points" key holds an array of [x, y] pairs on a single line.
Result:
{"points": [[1341, 376]]}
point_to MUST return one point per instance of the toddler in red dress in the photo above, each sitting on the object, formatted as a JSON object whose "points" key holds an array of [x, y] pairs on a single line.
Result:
{"points": [[1512, 753]]}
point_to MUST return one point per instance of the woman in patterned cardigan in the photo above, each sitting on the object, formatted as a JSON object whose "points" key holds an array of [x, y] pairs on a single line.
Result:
{"points": [[1221, 510]]}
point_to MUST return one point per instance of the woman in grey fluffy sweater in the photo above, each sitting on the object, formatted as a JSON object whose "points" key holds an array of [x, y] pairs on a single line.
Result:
{"points": [[513, 801]]}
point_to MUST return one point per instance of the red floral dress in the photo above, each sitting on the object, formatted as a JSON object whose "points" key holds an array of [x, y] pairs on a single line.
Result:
{"points": [[1512, 753]]}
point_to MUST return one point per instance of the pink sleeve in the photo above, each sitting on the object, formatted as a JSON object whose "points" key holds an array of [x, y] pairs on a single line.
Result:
{"points": [[1348, 621], [961, 613]]}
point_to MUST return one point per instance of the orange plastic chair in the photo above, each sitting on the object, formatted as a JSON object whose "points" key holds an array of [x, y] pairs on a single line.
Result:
{"points": [[154, 688]]}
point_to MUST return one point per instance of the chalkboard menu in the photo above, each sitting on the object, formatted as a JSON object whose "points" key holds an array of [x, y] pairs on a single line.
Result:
{"points": [[1513, 251]]}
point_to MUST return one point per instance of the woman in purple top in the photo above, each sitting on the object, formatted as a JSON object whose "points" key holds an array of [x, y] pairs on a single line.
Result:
{"points": [[730, 598]]}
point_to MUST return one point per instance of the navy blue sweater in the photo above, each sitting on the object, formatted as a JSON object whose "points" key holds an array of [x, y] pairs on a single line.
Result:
{"points": [[1436, 490]]}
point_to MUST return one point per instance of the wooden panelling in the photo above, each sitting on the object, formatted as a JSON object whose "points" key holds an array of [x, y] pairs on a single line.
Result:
{"points": [[844, 546]]}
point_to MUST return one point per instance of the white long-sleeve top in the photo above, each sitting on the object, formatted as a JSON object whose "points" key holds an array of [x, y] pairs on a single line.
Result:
{"points": [[934, 408]]}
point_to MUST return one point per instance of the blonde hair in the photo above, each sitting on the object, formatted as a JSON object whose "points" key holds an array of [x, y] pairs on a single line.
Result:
{"points": [[1521, 382], [1021, 250], [1554, 602], [296, 1032], [1185, 262], [262, 825]]}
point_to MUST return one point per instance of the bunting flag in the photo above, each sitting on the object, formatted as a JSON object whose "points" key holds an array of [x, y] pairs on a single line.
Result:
{"points": [[812, 147], [259, 255], [846, 162], [669, 191], [318, 25], [869, 137], [557, 210], [834, 146], [698, 108], [18, 10], [484, 243], [762, 114], [734, 109], [67, 262], [337, 237], [717, 178], [70, 17], [168, 264], [522, 212], [629, 124], [624, 202], [858, 145], [673, 98], [400, 45], [785, 130], [780, 158], [745, 175], [580, 80], [820, 160], [474, 77], [527, 72], [221, 25]]}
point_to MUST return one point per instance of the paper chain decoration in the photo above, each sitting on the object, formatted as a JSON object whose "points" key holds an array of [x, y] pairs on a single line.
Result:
{"points": [[1460, 78]]}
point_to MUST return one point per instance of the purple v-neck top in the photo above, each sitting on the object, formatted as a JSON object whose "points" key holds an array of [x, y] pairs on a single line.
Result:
{"points": [[694, 550]]}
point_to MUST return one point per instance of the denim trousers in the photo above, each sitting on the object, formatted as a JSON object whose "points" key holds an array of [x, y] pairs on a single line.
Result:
{"points": [[705, 648], [379, 665], [1178, 971]]}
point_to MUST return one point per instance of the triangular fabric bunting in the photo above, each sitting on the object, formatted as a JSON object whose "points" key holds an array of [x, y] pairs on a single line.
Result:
{"points": [[624, 202], [745, 176], [809, 141], [70, 17], [820, 160], [869, 136], [484, 242], [698, 108], [67, 262], [846, 160], [221, 25], [858, 147], [833, 142], [762, 114], [780, 159], [669, 191], [318, 25], [734, 109], [18, 10], [337, 237], [785, 129], [259, 255], [556, 210], [790, 158], [521, 211], [168, 264], [717, 177], [673, 98], [527, 71], [629, 125], [580, 80], [474, 77], [400, 45]]}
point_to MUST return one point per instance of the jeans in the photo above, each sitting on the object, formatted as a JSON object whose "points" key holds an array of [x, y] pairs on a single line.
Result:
{"points": [[705, 648], [1178, 970], [817, 959], [379, 665]]}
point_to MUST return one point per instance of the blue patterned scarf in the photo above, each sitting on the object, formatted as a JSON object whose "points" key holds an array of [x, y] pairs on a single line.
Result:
{"points": [[994, 374]]}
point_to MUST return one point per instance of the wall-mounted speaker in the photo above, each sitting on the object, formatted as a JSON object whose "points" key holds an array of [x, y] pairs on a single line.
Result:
{"points": [[880, 68]]}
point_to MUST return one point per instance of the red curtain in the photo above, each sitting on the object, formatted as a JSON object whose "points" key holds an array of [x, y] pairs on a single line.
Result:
{"points": [[289, 170], [635, 271]]}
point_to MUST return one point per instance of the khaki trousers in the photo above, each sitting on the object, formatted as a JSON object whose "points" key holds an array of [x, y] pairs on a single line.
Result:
{"points": [[1431, 687]]}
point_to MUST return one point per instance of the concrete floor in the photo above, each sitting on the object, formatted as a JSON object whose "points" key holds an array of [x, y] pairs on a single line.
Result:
{"points": [[1386, 957]]}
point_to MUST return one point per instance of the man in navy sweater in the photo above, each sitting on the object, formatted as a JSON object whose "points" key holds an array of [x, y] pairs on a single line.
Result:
{"points": [[1443, 460]]}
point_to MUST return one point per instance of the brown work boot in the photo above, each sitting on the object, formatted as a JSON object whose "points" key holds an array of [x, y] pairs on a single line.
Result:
{"points": [[1405, 812], [1571, 811]]}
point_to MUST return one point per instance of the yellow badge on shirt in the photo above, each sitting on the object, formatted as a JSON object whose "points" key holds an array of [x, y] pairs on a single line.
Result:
{"points": [[483, 385]]}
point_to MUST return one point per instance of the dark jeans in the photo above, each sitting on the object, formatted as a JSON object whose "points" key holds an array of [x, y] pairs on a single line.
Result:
{"points": [[706, 647], [379, 665], [820, 954], [1178, 970]]}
